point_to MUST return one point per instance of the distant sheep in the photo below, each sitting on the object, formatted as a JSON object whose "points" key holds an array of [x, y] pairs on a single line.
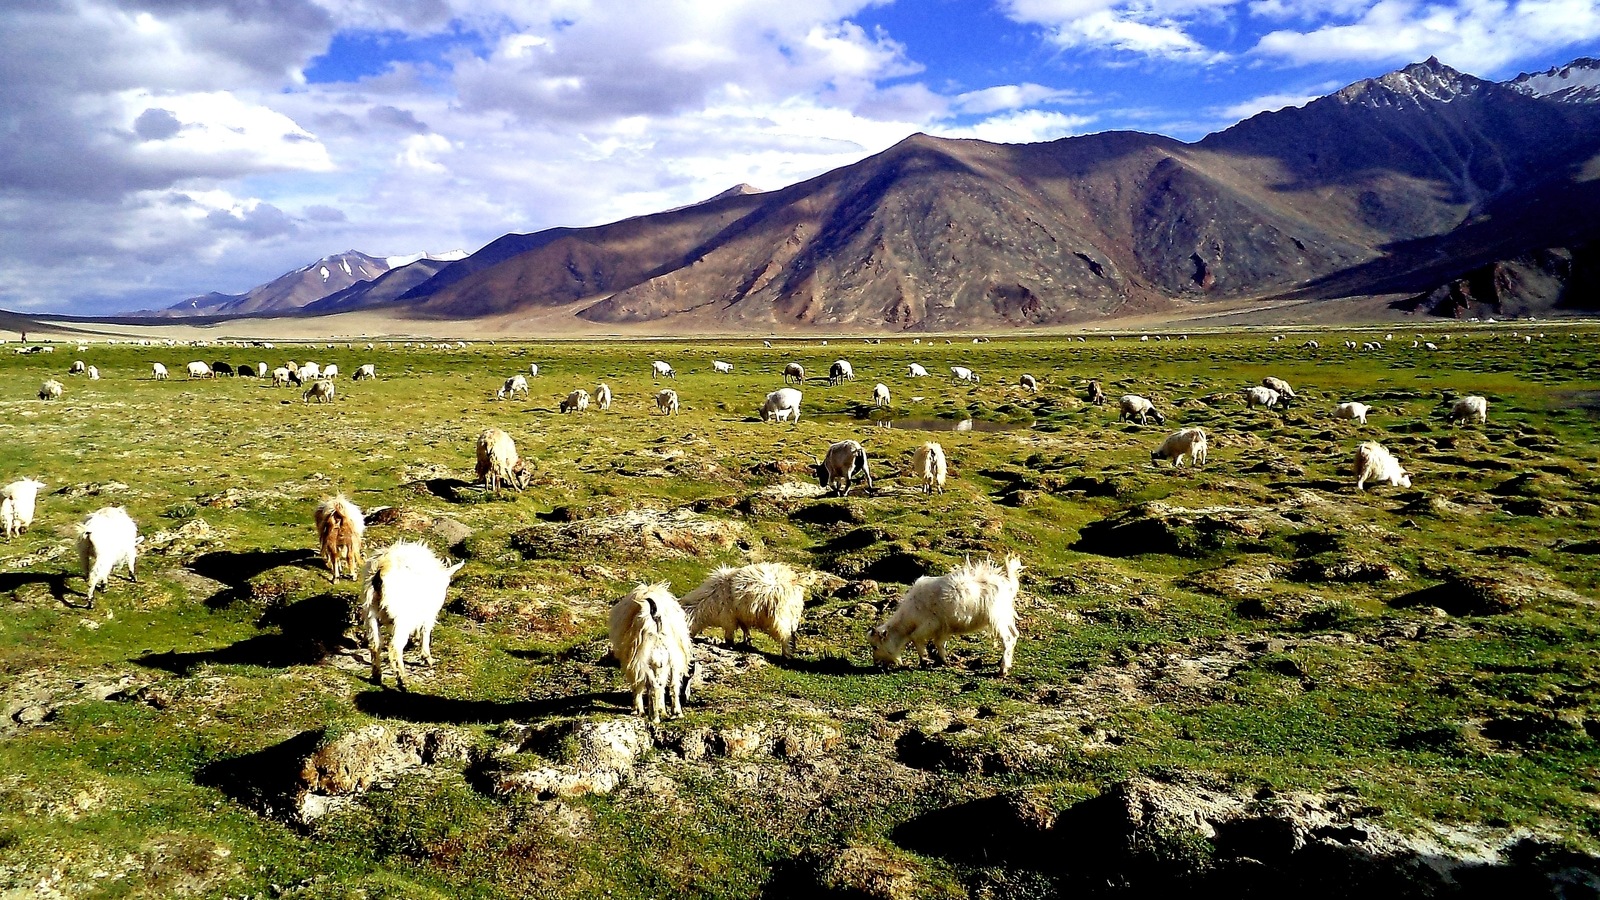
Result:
{"points": [[602, 395], [402, 590], [721, 367], [794, 371], [320, 391], [577, 401], [1468, 409], [330, 372], [1134, 406], [928, 465], [667, 401], [199, 370], [880, 395], [1310, 345], [261, 370], [160, 371], [659, 369], [1028, 383], [1430, 345], [77, 367], [220, 368], [309, 371], [972, 597], [245, 370], [1190, 442], [1352, 410], [1096, 394], [916, 371], [840, 372], [498, 462], [962, 373], [1278, 384], [650, 639], [280, 377], [17, 501], [364, 372], [765, 597], [106, 539], [839, 467], [1261, 396], [94, 373], [50, 390], [780, 405], [512, 385], [533, 370], [1376, 464], [340, 527]]}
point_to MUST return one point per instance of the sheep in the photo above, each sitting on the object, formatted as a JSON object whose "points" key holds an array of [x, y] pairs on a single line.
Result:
{"points": [[106, 539], [310, 371], [261, 370], [1134, 405], [1374, 463], [159, 370], [1430, 345], [928, 464], [340, 527], [1468, 408], [533, 370], [77, 367], [1279, 385], [880, 395], [280, 377], [498, 462], [577, 401], [1096, 395], [200, 370], [50, 390], [721, 367], [765, 597], [1189, 442], [1352, 410], [512, 385], [1028, 383], [962, 373], [972, 597], [795, 371], [840, 372], [17, 501], [781, 404], [331, 372], [364, 372], [650, 639], [838, 468], [667, 402], [916, 371], [1310, 345], [1261, 396], [94, 373], [602, 395], [402, 591], [659, 369], [245, 370], [321, 391], [767, 344]]}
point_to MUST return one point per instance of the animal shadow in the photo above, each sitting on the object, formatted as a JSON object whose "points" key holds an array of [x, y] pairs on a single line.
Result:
{"points": [[414, 707], [235, 568], [55, 581], [312, 630]]}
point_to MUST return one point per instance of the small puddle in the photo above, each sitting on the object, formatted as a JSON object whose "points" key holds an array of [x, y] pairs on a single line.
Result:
{"points": [[980, 425]]}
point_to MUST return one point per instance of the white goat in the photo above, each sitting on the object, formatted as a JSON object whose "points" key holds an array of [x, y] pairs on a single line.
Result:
{"points": [[839, 467], [280, 377], [840, 372], [309, 371], [77, 368], [330, 372], [94, 373], [1133, 405], [402, 591], [1469, 408], [533, 370], [659, 369], [513, 384], [1376, 464], [160, 371], [106, 539], [321, 391], [1028, 383], [261, 370], [1352, 410], [880, 395], [364, 372], [340, 527], [916, 371], [962, 373], [765, 597], [928, 464], [782, 404], [200, 370], [1279, 385], [1190, 442], [17, 502], [667, 401], [602, 395], [650, 639], [1261, 396], [577, 401], [795, 371], [721, 367], [972, 597], [50, 390], [498, 462]]}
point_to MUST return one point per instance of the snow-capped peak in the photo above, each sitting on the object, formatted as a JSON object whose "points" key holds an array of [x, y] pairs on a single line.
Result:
{"points": [[1425, 81], [395, 262], [1575, 82]]}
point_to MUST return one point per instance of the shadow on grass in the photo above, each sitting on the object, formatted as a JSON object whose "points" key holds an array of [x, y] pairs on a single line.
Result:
{"points": [[235, 568], [414, 707], [580, 652], [56, 582], [314, 627]]}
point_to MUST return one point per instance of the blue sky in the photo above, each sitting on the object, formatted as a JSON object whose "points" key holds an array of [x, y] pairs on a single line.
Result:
{"points": [[165, 148]]}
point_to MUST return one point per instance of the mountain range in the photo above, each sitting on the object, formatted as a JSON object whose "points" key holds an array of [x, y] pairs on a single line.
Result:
{"points": [[1436, 190]]}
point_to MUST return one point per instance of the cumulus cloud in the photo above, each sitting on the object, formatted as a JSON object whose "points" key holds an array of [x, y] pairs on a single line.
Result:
{"points": [[1144, 28], [1020, 126]]}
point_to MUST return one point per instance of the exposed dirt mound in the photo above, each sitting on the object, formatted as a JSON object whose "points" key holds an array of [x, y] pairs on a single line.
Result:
{"points": [[1160, 527], [679, 531]]}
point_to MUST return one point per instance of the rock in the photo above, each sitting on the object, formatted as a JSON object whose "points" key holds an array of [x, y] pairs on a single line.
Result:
{"points": [[1159, 527], [591, 758], [871, 872], [449, 531], [1475, 594], [354, 762], [1345, 570], [402, 517], [648, 530]]}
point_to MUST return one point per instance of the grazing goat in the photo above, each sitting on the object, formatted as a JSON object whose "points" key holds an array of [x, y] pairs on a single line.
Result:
{"points": [[50, 390], [17, 501], [1352, 410], [498, 462], [650, 639], [782, 404], [577, 401], [106, 539], [220, 368], [1133, 405], [280, 377], [795, 371], [1261, 396], [667, 401], [339, 530], [1279, 385], [962, 373], [721, 367], [880, 395], [839, 467], [602, 395], [321, 391], [364, 372], [659, 369], [928, 464], [513, 384], [200, 370], [972, 597], [245, 370], [77, 367], [330, 372], [1310, 345], [309, 371], [1028, 383], [840, 372], [533, 370], [1097, 395], [1190, 442], [765, 597], [261, 370], [915, 370], [1376, 464], [160, 371], [1467, 409], [402, 591]]}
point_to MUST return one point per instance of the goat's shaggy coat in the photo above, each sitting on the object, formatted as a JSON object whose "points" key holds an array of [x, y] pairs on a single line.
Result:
{"points": [[840, 372], [650, 639], [365, 371], [764, 597], [106, 539], [1279, 385], [159, 370], [50, 390], [513, 384], [660, 369], [781, 404], [928, 465], [1134, 406], [1097, 394], [1469, 408], [1028, 383], [340, 527], [1190, 442], [402, 591], [16, 505], [498, 462], [1356, 411], [1262, 396], [880, 394], [795, 371], [977, 596], [1376, 464], [602, 395], [839, 467], [667, 401], [962, 373], [577, 401], [321, 391]]}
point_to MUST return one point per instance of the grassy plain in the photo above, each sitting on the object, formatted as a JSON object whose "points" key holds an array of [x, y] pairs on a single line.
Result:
{"points": [[1450, 673]]}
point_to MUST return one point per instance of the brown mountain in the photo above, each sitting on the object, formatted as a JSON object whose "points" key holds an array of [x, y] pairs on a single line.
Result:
{"points": [[287, 292]]}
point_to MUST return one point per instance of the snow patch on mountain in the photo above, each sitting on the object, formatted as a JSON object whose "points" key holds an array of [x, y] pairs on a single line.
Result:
{"points": [[1575, 82], [395, 262]]}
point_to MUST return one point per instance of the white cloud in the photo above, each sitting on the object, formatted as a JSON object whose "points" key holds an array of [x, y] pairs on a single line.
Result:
{"points": [[1010, 96], [1150, 28], [1244, 109], [1020, 127]]}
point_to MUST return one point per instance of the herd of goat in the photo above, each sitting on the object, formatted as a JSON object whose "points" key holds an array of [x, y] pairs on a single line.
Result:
{"points": [[403, 586]]}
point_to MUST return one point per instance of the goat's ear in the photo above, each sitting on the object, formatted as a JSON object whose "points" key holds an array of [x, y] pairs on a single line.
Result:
{"points": [[457, 567]]}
